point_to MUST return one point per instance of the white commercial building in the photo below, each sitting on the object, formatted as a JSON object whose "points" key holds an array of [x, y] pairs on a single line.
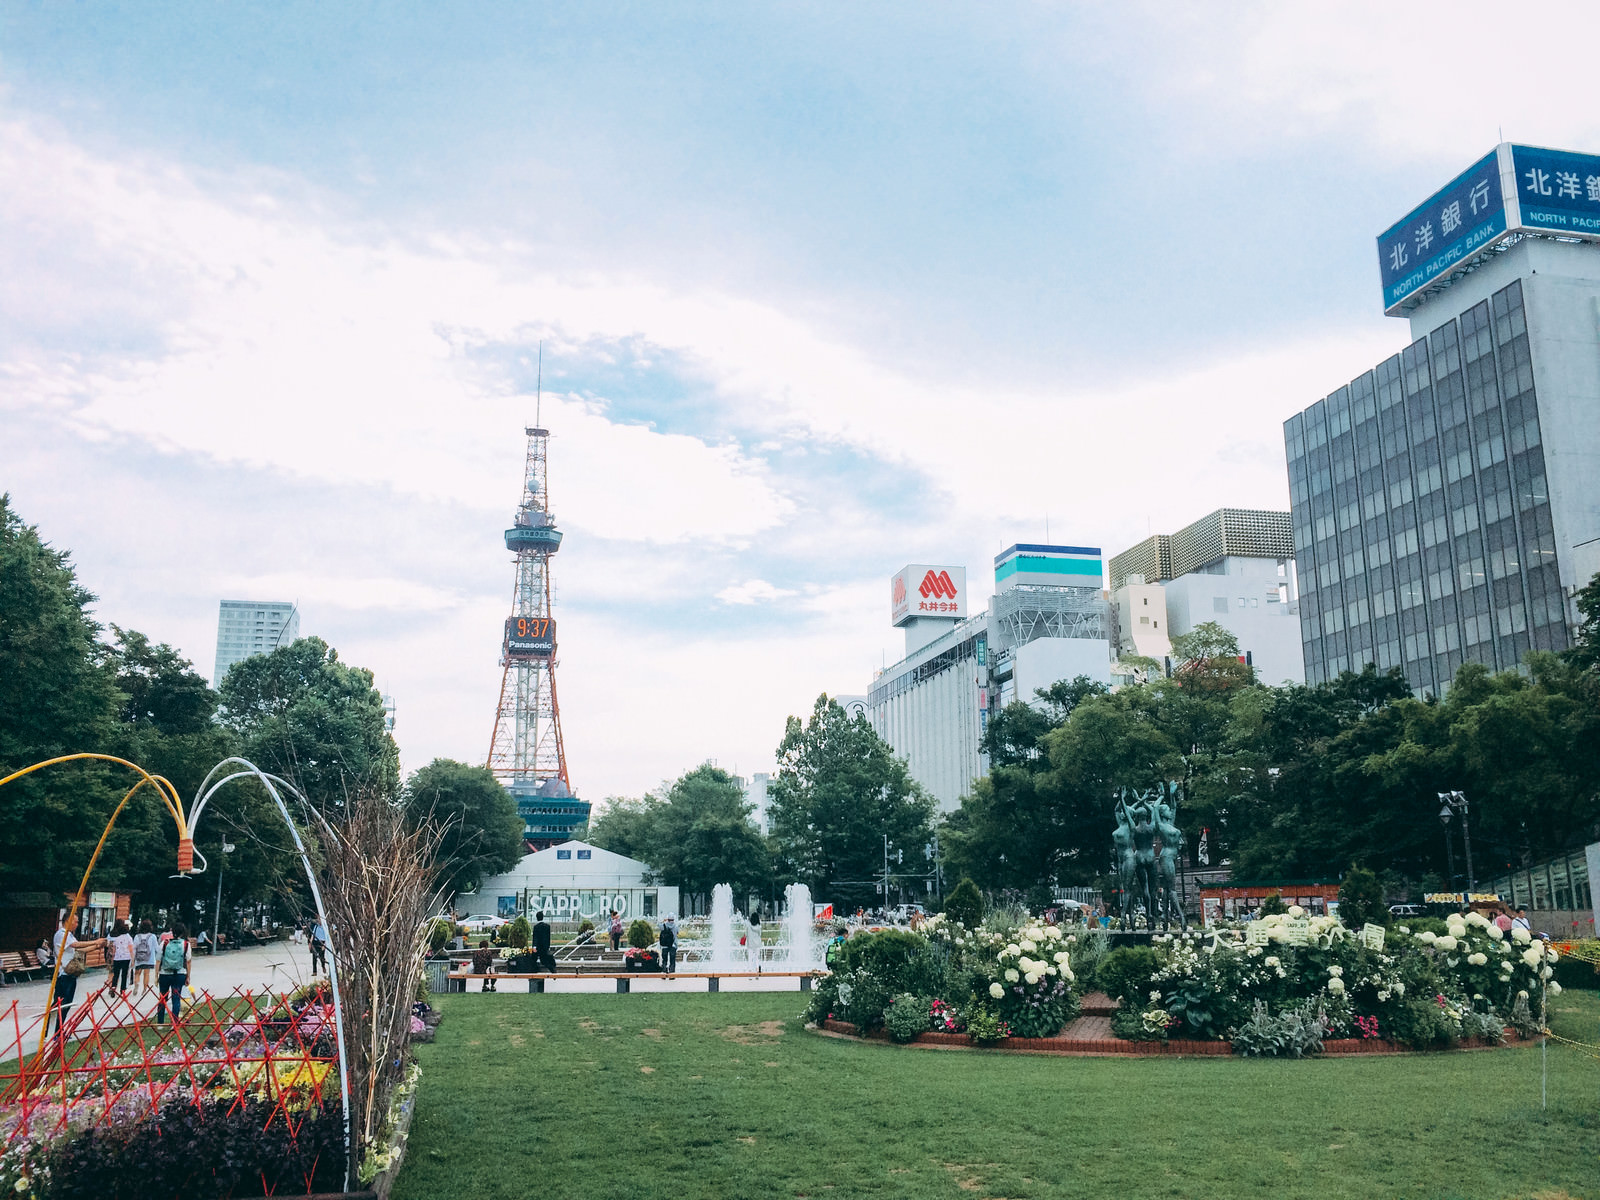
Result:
{"points": [[249, 627], [1046, 622], [1234, 567], [573, 881]]}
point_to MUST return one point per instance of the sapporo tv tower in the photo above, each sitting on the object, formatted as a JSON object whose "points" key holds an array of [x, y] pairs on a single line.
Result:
{"points": [[526, 752]]}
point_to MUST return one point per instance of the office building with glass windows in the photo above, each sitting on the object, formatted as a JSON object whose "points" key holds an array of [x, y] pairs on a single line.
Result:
{"points": [[1446, 504], [248, 627]]}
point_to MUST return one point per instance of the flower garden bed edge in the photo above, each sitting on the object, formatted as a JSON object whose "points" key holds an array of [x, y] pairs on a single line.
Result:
{"points": [[1332, 1048]]}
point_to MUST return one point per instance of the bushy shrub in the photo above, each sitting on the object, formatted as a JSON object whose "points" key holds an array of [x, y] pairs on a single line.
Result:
{"points": [[1273, 906], [1293, 1033], [986, 1028], [216, 1147], [1361, 899], [901, 960], [906, 1017], [1421, 1023], [641, 934], [519, 933], [863, 998], [964, 905], [1577, 973], [439, 933], [1124, 974]]}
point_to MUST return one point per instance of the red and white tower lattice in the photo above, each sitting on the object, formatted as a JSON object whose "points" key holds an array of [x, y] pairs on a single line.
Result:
{"points": [[526, 752]]}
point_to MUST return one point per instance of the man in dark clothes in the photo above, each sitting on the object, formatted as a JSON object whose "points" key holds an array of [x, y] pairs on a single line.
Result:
{"points": [[542, 958], [669, 945]]}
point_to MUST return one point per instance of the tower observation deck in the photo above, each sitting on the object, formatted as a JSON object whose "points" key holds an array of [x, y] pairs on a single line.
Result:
{"points": [[526, 752]]}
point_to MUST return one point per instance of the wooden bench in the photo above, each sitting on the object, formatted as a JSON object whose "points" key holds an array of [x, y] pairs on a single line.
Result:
{"points": [[536, 980], [14, 964]]}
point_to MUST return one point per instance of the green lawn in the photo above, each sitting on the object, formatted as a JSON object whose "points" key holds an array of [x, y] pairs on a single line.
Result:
{"points": [[689, 1096]]}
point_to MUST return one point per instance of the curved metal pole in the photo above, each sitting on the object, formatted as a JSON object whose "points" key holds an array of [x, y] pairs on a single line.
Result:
{"points": [[316, 894], [72, 912]]}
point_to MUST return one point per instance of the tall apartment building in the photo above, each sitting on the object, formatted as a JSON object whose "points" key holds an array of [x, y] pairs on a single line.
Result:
{"points": [[1235, 567], [247, 627], [1446, 504]]}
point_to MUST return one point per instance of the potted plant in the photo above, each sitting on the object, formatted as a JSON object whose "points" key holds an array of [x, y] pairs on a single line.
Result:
{"points": [[639, 955]]}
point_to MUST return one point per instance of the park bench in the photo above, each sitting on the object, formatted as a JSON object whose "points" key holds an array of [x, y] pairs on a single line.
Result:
{"points": [[16, 963], [536, 980]]}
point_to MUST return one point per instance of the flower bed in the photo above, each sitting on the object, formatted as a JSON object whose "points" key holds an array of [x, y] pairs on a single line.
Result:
{"points": [[240, 1099], [1289, 985]]}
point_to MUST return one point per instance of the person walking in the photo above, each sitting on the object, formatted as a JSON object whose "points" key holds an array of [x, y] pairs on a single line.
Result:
{"points": [[146, 946], [542, 958], [319, 948], [67, 950], [173, 977], [616, 930], [669, 944], [121, 949]]}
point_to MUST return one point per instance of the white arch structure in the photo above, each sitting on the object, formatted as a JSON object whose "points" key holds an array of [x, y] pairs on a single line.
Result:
{"points": [[203, 795]]}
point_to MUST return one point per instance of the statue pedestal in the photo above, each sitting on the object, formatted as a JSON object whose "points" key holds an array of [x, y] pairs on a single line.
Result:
{"points": [[1130, 937]]}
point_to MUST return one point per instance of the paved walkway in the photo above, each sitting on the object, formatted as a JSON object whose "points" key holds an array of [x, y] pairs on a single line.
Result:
{"points": [[279, 967]]}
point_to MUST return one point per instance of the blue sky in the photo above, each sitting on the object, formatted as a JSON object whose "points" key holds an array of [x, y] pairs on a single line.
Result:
{"points": [[823, 289]]}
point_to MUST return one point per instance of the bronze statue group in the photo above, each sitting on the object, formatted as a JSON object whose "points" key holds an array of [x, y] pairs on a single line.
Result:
{"points": [[1148, 876]]}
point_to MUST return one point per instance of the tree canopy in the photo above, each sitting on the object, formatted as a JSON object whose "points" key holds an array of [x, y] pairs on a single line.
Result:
{"points": [[301, 713], [482, 833], [695, 834], [838, 791]]}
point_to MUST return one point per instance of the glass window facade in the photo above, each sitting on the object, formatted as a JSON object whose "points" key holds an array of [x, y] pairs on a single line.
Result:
{"points": [[1421, 516]]}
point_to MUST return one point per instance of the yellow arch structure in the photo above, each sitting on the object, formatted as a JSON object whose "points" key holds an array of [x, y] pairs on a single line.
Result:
{"points": [[174, 806]]}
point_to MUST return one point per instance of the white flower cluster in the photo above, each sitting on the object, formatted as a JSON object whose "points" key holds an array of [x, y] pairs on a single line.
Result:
{"points": [[1037, 953]]}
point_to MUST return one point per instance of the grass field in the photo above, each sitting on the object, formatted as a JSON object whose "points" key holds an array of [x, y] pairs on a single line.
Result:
{"points": [[690, 1096]]}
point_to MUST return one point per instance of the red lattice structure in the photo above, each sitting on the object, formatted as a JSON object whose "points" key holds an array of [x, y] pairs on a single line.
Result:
{"points": [[113, 1061]]}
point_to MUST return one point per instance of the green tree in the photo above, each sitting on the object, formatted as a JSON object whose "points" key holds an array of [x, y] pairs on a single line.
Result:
{"points": [[964, 904], [304, 715], [58, 695], [1585, 650], [625, 826], [839, 790], [482, 833], [1361, 899], [1208, 660], [694, 835], [1022, 826]]}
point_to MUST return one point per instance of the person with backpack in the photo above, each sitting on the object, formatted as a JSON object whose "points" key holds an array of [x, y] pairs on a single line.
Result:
{"points": [[173, 975], [669, 944], [146, 946]]}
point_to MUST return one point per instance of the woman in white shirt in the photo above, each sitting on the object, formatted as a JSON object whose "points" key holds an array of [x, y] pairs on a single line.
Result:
{"points": [[120, 947]]}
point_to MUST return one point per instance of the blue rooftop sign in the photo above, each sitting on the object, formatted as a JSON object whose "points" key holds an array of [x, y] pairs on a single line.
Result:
{"points": [[1512, 190], [1557, 190], [1437, 236]]}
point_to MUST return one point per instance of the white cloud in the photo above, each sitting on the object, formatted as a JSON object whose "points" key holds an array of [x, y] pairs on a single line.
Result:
{"points": [[219, 323], [1408, 81], [752, 591]]}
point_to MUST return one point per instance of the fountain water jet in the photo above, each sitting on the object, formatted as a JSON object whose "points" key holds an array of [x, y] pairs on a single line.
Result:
{"points": [[798, 928], [722, 927]]}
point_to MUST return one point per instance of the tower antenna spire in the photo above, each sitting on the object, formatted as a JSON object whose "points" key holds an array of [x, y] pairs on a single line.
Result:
{"points": [[538, 387]]}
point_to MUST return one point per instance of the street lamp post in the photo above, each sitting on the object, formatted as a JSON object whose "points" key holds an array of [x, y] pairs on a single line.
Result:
{"points": [[1457, 802], [216, 909], [1449, 844]]}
